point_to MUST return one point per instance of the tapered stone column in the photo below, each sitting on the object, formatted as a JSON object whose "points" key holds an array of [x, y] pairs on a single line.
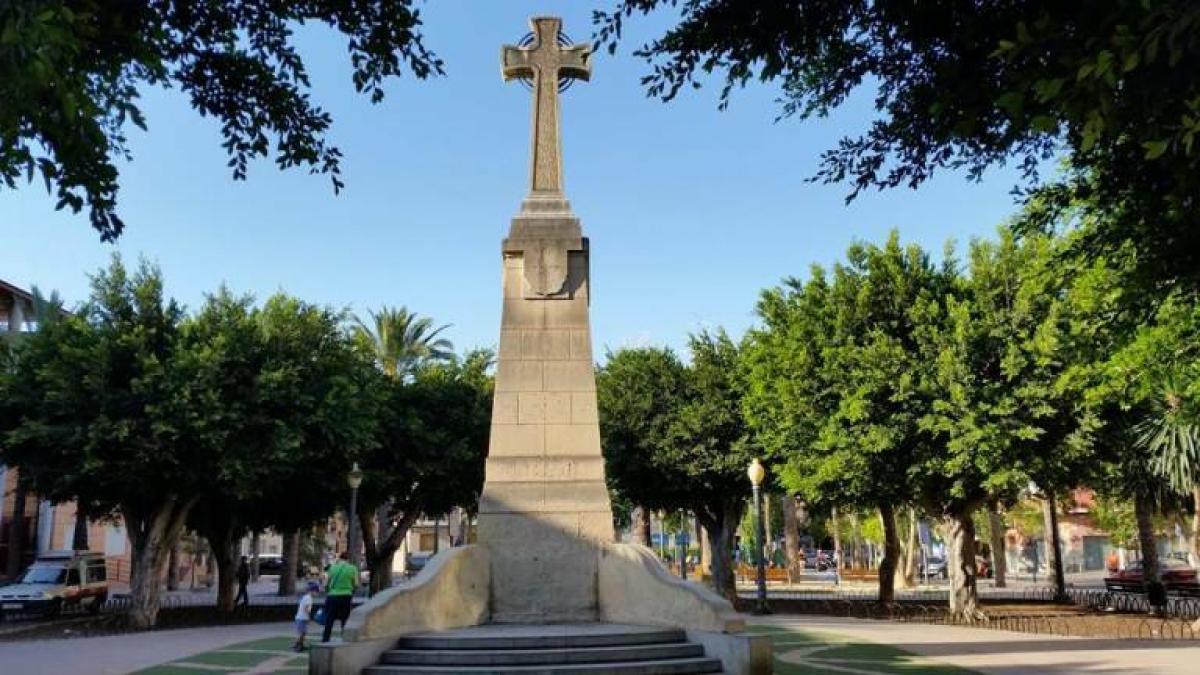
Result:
{"points": [[545, 506]]}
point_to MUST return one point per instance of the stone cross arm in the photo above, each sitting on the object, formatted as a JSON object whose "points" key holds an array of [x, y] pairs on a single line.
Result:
{"points": [[544, 62], [545, 56]]}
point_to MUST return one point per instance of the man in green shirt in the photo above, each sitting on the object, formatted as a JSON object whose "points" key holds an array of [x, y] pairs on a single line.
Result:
{"points": [[340, 582]]}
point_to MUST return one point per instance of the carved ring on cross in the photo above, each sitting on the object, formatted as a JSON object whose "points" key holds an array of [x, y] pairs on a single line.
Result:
{"points": [[564, 83]]}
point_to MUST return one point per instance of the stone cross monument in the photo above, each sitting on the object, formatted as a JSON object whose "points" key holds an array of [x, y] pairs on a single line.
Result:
{"points": [[545, 512], [545, 552]]}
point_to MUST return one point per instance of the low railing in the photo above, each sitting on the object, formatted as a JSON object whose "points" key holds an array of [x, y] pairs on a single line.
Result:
{"points": [[1088, 612], [1120, 626]]}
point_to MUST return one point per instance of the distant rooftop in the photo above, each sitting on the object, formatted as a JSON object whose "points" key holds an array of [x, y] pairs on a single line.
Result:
{"points": [[7, 289]]}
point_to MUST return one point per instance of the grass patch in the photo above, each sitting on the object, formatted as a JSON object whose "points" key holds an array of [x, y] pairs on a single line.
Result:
{"points": [[172, 669], [278, 644], [824, 653], [228, 659]]}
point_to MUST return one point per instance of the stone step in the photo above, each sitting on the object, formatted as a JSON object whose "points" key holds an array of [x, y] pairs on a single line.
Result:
{"points": [[687, 666], [546, 640], [553, 656]]}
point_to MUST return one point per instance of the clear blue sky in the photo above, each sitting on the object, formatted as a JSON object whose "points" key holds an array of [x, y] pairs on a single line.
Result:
{"points": [[691, 211]]}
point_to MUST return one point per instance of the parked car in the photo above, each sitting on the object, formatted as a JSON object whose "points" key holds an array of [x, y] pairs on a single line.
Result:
{"points": [[270, 563], [416, 563], [56, 580], [935, 567], [1176, 575]]}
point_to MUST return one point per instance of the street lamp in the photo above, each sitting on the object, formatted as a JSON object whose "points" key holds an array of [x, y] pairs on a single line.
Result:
{"points": [[353, 479], [757, 473]]}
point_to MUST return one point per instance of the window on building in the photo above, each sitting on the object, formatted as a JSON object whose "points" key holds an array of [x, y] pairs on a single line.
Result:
{"points": [[96, 572], [426, 543], [114, 540]]}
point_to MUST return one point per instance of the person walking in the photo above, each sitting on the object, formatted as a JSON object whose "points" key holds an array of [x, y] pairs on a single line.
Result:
{"points": [[243, 578], [304, 613], [340, 585]]}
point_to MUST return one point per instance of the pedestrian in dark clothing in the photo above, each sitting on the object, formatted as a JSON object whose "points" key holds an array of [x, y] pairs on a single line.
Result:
{"points": [[243, 577], [339, 595]]}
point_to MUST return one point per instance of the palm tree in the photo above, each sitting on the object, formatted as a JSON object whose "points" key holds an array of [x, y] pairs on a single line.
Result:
{"points": [[402, 340], [1172, 438]]}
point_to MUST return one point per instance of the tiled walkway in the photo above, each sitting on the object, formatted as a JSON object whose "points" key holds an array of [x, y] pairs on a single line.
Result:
{"points": [[803, 645]]}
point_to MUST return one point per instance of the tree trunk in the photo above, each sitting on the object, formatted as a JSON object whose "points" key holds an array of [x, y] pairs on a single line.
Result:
{"points": [[151, 537], [1195, 553], [1054, 561], [79, 538], [641, 526], [721, 522], [381, 550], [906, 577], [17, 527], [964, 595], [891, 555], [704, 571], [210, 568], [254, 549], [791, 539], [223, 550], [173, 568], [1143, 506], [837, 537], [768, 537], [999, 553], [291, 559]]}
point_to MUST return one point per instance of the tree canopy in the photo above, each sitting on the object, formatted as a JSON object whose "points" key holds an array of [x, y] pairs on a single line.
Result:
{"points": [[971, 85], [675, 436], [71, 74]]}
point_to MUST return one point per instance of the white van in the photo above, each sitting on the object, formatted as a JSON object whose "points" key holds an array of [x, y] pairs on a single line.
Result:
{"points": [[58, 579]]}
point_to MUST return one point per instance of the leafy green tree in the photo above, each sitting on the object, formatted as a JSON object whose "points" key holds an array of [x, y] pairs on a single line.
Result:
{"points": [[95, 411], [402, 341], [291, 391], [71, 71], [1157, 374], [1000, 414], [639, 391], [675, 437], [429, 454], [834, 382], [972, 85]]}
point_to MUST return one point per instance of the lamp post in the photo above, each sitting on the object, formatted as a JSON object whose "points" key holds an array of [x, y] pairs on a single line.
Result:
{"points": [[662, 536], [353, 479], [757, 473]]}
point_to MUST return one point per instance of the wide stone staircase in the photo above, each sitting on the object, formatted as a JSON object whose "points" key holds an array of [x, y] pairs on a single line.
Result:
{"points": [[547, 650]]}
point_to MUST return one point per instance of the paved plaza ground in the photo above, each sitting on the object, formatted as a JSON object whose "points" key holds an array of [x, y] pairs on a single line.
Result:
{"points": [[827, 645], [803, 645]]}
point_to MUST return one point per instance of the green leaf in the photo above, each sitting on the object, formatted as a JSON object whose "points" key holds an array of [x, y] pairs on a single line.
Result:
{"points": [[1155, 149], [1012, 102], [1044, 123]]}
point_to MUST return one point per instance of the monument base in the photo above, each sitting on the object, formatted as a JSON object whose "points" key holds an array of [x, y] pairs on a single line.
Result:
{"points": [[455, 591]]}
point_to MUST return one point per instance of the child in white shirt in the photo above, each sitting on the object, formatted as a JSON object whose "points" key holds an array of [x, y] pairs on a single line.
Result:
{"points": [[304, 614]]}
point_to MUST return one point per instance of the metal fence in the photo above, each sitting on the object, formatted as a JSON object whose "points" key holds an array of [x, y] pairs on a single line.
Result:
{"points": [[1110, 615]]}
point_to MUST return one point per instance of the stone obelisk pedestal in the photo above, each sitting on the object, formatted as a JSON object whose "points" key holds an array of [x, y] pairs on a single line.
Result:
{"points": [[545, 508]]}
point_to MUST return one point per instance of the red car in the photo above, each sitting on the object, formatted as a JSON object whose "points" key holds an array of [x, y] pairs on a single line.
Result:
{"points": [[1175, 574]]}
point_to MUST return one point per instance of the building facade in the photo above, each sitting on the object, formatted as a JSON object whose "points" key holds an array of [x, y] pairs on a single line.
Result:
{"points": [[29, 525]]}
